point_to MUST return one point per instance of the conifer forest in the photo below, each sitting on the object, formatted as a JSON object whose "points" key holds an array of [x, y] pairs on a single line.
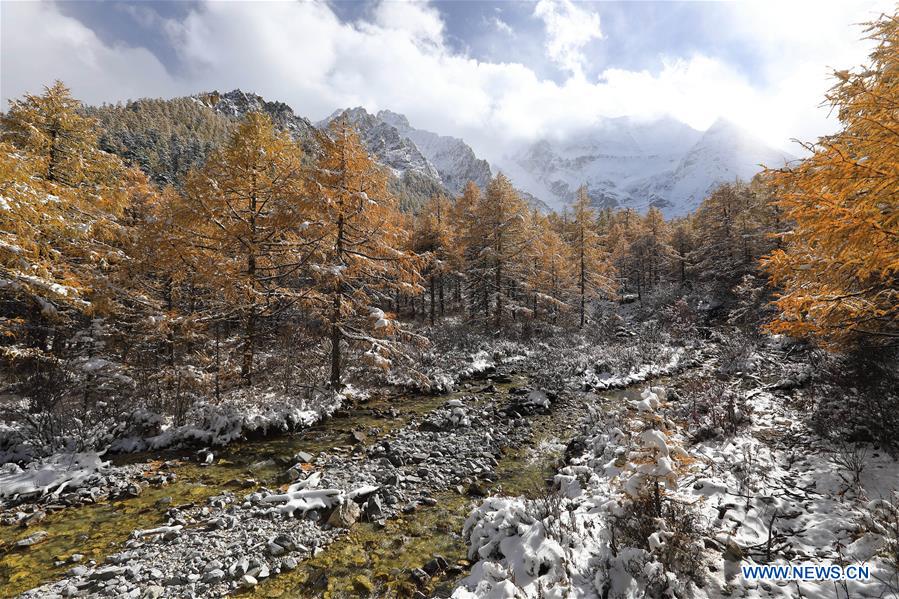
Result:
{"points": [[247, 353]]}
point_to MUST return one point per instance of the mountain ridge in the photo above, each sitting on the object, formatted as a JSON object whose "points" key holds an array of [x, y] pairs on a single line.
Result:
{"points": [[625, 163], [637, 164]]}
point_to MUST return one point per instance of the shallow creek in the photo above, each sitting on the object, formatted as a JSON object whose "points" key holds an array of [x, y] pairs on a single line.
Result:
{"points": [[97, 530], [368, 561], [376, 562]]}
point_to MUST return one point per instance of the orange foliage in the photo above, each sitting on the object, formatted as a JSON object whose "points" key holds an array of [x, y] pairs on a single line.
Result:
{"points": [[838, 269]]}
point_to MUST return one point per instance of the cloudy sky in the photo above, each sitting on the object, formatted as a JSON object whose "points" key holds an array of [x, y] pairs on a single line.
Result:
{"points": [[495, 73]]}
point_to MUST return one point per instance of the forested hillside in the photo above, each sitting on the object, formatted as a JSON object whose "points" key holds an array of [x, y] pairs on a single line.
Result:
{"points": [[193, 276]]}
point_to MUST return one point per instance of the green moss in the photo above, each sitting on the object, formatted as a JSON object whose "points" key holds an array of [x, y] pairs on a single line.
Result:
{"points": [[98, 530], [381, 557]]}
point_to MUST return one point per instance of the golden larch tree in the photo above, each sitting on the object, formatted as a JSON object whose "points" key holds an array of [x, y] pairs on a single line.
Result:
{"points": [[244, 214], [552, 275], [498, 257], [360, 258], [432, 238], [591, 259], [838, 269], [62, 203]]}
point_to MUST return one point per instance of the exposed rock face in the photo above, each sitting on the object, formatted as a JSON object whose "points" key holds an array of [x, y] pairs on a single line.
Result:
{"points": [[385, 143], [235, 104], [454, 160]]}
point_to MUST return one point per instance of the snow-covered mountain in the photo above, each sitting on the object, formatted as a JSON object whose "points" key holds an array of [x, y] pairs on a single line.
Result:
{"points": [[236, 103], [626, 163], [454, 160], [386, 144], [422, 162], [723, 153]]}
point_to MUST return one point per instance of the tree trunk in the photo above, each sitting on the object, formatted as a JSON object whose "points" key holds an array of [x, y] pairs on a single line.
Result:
{"points": [[335, 320], [335, 346], [433, 304], [54, 156], [583, 282], [246, 368], [218, 362], [499, 294]]}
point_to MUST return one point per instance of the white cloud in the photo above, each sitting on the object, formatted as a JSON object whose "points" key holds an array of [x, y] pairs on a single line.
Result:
{"points": [[40, 45], [300, 53], [568, 29], [502, 26], [414, 18]]}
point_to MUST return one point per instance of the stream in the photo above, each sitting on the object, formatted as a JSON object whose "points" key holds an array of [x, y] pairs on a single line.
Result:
{"points": [[371, 559]]}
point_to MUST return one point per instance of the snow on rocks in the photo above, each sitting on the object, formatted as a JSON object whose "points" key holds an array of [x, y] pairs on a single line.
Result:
{"points": [[603, 379], [234, 542], [54, 473], [481, 363], [217, 425], [767, 492]]}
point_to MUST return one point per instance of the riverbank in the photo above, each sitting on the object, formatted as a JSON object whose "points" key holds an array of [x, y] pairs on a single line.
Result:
{"points": [[436, 450]]}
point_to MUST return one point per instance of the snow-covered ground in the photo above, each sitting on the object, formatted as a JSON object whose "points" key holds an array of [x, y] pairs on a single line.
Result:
{"points": [[656, 503], [717, 464]]}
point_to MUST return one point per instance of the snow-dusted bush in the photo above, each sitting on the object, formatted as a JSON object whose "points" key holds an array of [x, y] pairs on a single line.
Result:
{"points": [[854, 398], [515, 537], [882, 518], [219, 424], [656, 542], [712, 408]]}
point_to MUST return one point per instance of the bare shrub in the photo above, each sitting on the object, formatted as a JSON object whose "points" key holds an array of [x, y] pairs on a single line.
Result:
{"points": [[746, 471], [883, 518], [735, 353], [851, 458], [713, 408], [854, 398], [680, 319], [552, 508], [675, 528]]}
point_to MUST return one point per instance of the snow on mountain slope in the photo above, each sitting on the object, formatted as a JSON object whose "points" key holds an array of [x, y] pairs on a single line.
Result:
{"points": [[386, 144], [236, 103], [724, 153], [453, 158], [626, 163], [425, 163]]}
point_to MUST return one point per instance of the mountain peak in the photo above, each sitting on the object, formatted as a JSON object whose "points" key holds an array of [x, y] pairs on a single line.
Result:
{"points": [[640, 163], [395, 119], [386, 143], [725, 126], [389, 136], [236, 103]]}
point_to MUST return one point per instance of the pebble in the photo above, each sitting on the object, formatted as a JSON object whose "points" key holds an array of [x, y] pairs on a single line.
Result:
{"points": [[107, 573], [33, 539], [213, 565], [213, 576]]}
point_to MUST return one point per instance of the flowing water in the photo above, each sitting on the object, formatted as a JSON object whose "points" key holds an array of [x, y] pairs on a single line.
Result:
{"points": [[376, 562], [368, 561]]}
